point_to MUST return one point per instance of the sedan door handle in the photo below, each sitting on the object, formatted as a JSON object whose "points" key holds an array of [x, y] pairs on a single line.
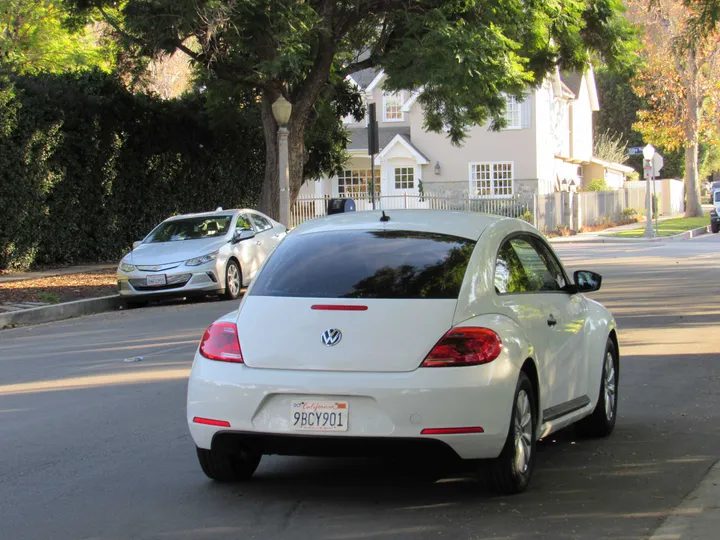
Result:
{"points": [[259, 242], [551, 321]]}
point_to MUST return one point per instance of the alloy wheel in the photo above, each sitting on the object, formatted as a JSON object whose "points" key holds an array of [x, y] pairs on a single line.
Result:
{"points": [[523, 432], [233, 279], [610, 385]]}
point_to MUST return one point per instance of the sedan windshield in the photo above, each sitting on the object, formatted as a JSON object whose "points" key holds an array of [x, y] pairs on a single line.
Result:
{"points": [[190, 229], [366, 264]]}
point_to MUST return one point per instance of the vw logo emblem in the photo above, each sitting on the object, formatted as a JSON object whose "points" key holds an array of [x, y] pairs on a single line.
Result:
{"points": [[331, 336]]}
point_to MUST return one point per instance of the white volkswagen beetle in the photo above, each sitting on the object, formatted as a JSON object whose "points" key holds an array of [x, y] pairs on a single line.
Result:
{"points": [[451, 333]]}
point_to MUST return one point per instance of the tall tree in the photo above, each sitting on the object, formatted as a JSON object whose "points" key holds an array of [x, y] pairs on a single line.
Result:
{"points": [[681, 83], [35, 36], [463, 53]]}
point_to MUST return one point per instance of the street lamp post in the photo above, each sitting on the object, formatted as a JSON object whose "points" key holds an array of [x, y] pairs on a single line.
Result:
{"points": [[648, 153], [282, 109]]}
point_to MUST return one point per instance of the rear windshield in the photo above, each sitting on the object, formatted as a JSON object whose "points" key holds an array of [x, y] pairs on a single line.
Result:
{"points": [[366, 264]]}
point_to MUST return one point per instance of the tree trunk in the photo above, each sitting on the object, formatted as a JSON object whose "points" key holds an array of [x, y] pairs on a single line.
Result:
{"points": [[693, 206]]}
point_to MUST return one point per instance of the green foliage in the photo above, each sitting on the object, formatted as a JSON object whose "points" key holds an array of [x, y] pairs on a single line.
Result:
{"points": [[464, 54], [527, 216], [630, 214], [87, 167], [597, 184], [35, 36]]}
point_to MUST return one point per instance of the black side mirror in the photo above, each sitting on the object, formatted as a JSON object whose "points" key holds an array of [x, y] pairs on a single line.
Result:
{"points": [[245, 234], [587, 281]]}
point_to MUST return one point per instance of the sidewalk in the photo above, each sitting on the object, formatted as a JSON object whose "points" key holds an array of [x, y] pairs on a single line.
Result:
{"points": [[604, 236], [8, 278], [698, 517]]}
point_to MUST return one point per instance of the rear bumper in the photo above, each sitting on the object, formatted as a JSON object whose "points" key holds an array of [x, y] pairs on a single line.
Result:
{"points": [[386, 410]]}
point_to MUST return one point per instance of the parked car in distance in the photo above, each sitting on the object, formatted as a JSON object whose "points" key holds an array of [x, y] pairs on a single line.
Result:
{"points": [[451, 335], [714, 188], [198, 254], [715, 212]]}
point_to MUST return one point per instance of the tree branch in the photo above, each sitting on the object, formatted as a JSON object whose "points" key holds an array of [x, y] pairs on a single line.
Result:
{"points": [[369, 62], [112, 22]]}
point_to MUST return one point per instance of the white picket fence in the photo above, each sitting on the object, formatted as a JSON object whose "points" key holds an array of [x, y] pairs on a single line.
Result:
{"points": [[306, 208], [546, 212]]}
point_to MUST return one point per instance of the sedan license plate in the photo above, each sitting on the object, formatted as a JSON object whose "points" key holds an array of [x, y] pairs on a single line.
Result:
{"points": [[308, 415], [154, 281]]}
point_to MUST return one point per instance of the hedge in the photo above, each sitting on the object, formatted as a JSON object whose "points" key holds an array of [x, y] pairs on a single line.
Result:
{"points": [[87, 167]]}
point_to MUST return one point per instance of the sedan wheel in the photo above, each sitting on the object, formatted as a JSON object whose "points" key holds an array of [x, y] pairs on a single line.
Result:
{"points": [[233, 281], [602, 420], [510, 472]]}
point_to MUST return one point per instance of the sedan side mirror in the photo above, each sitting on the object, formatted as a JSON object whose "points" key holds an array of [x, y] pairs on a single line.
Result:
{"points": [[245, 234], [137, 243], [587, 281]]}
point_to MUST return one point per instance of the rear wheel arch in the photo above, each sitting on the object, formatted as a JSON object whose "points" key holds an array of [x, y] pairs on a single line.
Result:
{"points": [[530, 369], [235, 259]]}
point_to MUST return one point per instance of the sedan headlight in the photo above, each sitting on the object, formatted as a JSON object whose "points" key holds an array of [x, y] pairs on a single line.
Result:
{"points": [[125, 267], [197, 261]]}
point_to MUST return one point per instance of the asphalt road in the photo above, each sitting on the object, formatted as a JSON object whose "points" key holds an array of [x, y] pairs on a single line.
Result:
{"points": [[94, 447]]}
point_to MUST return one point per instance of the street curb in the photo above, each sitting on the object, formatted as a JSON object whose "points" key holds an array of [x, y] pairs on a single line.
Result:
{"points": [[698, 516], [578, 238], [58, 312]]}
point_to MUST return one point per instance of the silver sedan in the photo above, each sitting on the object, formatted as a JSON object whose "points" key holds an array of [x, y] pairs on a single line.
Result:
{"points": [[198, 254]]}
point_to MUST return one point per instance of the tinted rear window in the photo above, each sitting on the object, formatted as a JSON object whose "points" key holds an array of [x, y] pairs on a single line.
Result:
{"points": [[366, 264]]}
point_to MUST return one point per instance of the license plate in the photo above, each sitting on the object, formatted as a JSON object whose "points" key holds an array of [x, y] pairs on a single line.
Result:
{"points": [[308, 415], [154, 281]]}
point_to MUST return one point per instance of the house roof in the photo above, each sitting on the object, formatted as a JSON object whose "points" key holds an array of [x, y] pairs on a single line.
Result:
{"points": [[573, 80], [364, 77], [359, 137], [612, 166], [404, 140]]}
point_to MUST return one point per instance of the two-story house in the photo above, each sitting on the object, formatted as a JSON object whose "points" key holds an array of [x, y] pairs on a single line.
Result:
{"points": [[546, 147]]}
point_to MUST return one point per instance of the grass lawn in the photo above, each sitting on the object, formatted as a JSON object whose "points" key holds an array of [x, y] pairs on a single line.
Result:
{"points": [[668, 227]]}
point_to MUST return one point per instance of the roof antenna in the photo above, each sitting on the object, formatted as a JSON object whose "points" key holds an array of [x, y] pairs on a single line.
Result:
{"points": [[384, 218]]}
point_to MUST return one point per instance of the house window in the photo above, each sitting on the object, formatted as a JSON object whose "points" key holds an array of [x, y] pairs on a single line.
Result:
{"points": [[356, 181], [404, 178], [392, 107], [513, 113], [491, 179]]}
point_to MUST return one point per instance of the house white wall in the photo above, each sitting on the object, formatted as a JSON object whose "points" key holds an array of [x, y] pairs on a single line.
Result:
{"points": [[581, 125], [481, 145]]}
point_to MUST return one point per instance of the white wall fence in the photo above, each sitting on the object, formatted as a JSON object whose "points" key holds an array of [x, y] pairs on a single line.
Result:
{"points": [[306, 208], [546, 212]]}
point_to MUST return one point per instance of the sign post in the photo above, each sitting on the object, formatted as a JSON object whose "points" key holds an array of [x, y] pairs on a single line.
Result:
{"points": [[373, 148], [648, 153]]}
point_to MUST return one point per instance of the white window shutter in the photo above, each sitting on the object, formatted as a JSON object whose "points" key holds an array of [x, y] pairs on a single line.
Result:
{"points": [[526, 112]]}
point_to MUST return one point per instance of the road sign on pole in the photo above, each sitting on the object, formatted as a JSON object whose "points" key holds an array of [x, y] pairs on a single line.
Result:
{"points": [[635, 150]]}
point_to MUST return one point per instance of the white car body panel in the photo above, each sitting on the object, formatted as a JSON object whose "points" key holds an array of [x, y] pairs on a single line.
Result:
{"points": [[378, 372]]}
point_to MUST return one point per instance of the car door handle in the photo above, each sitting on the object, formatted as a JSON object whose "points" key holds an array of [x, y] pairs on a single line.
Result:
{"points": [[259, 242], [551, 321]]}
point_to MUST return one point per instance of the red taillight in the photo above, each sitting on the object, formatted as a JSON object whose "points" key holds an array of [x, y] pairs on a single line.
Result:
{"points": [[464, 347], [211, 422], [451, 431], [220, 342]]}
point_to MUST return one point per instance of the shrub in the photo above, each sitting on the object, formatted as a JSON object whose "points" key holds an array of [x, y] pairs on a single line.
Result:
{"points": [[86, 167], [527, 216], [597, 184]]}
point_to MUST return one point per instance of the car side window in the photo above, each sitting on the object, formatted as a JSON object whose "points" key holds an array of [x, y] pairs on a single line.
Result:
{"points": [[552, 265], [522, 267], [261, 224], [243, 223]]}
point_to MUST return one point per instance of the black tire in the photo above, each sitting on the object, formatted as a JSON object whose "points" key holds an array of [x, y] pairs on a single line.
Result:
{"points": [[602, 420], [509, 474], [227, 467], [715, 227], [232, 274]]}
